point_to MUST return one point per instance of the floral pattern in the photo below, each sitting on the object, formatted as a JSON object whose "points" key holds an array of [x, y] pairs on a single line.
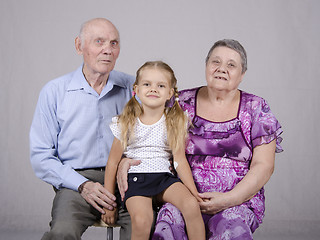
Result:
{"points": [[220, 153]]}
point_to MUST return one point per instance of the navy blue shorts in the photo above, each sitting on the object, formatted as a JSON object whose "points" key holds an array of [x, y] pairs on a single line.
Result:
{"points": [[148, 184]]}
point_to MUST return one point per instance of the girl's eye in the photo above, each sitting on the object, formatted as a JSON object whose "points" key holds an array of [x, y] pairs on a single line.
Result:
{"points": [[145, 84], [162, 86]]}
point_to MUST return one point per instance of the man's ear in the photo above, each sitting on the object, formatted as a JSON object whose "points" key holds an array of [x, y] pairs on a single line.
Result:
{"points": [[78, 46]]}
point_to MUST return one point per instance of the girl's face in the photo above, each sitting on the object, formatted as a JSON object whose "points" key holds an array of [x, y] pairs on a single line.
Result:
{"points": [[154, 88]]}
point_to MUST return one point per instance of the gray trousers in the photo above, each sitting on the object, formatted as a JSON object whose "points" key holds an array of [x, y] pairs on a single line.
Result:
{"points": [[72, 215]]}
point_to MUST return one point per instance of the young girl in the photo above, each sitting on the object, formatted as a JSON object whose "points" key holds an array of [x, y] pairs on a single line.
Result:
{"points": [[154, 134]]}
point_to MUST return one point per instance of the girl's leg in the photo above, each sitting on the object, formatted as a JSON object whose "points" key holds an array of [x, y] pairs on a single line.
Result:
{"points": [[141, 213], [180, 196]]}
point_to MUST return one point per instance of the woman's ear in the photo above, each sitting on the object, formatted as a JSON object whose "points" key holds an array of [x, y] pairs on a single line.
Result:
{"points": [[241, 77]]}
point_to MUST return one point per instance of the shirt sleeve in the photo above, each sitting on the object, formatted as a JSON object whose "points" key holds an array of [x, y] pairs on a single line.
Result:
{"points": [[265, 126], [43, 145], [115, 128]]}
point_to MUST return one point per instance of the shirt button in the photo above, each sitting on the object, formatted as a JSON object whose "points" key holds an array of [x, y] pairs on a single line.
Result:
{"points": [[135, 179]]}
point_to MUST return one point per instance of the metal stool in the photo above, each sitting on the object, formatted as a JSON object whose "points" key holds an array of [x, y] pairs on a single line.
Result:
{"points": [[101, 223]]}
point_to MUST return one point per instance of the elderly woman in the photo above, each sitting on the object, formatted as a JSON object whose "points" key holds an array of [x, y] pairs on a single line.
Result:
{"points": [[231, 150]]}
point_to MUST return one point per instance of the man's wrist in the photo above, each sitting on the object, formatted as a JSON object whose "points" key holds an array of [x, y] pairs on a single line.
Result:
{"points": [[80, 188]]}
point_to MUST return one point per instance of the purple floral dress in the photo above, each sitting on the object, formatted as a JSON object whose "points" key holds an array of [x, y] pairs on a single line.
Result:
{"points": [[219, 154]]}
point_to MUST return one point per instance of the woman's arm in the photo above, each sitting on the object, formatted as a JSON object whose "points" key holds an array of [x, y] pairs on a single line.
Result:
{"points": [[184, 172], [261, 169]]}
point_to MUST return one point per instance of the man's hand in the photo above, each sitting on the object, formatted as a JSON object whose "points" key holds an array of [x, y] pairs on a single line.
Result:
{"points": [[99, 197], [122, 174]]}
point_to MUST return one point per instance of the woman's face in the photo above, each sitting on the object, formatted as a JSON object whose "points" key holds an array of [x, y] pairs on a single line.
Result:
{"points": [[223, 69]]}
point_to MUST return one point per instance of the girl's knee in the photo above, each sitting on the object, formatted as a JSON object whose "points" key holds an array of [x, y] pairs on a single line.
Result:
{"points": [[190, 205], [142, 221]]}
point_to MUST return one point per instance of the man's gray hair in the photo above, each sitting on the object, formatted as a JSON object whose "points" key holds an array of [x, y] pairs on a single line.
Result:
{"points": [[85, 24]]}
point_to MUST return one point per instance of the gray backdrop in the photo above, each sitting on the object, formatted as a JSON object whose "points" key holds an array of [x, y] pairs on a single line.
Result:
{"points": [[282, 42]]}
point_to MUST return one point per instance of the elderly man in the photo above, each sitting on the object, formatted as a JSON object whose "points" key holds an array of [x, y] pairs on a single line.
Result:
{"points": [[70, 139]]}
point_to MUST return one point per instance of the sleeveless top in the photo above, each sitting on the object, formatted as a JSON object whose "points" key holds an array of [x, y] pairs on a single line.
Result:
{"points": [[220, 153], [149, 145]]}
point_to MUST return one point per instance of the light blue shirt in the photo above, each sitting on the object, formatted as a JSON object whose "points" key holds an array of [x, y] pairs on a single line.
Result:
{"points": [[70, 128]]}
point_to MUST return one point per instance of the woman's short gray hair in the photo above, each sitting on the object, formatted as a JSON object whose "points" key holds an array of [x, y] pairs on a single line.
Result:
{"points": [[233, 44]]}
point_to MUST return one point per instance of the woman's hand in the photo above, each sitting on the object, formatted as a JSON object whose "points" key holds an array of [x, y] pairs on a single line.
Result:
{"points": [[122, 174], [261, 169], [213, 202]]}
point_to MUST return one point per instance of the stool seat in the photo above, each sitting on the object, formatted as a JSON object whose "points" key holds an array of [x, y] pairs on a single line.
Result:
{"points": [[101, 223]]}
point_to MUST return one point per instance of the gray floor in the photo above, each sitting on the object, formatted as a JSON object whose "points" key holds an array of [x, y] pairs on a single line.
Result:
{"points": [[99, 233]]}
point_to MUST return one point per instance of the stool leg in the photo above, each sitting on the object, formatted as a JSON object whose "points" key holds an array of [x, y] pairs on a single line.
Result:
{"points": [[109, 233]]}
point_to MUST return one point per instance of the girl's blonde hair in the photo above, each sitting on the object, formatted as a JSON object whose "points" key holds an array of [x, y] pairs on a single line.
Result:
{"points": [[176, 120]]}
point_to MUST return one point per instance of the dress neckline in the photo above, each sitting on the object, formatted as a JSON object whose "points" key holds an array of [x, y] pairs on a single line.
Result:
{"points": [[230, 120]]}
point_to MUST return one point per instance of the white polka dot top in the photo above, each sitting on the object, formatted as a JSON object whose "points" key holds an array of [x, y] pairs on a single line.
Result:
{"points": [[149, 145]]}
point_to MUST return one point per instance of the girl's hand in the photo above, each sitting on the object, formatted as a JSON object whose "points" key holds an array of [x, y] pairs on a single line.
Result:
{"points": [[110, 216], [199, 198], [213, 202], [196, 195]]}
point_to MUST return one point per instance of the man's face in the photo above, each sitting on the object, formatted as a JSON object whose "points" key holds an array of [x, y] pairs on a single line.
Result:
{"points": [[100, 47]]}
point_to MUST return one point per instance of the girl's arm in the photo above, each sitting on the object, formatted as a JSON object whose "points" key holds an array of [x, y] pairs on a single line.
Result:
{"points": [[184, 172], [110, 177], [112, 165], [261, 169]]}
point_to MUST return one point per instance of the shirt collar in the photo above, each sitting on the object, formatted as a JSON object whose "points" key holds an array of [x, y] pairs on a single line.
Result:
{"points": [[117, 78], [78, 81]]}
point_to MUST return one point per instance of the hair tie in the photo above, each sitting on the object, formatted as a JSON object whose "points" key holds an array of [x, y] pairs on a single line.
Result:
{"points": [[177, 99], [133, 93]]}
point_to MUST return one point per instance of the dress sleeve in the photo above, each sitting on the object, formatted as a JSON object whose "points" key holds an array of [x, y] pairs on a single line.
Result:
{"points": [[265, 126], [115, 128]]}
